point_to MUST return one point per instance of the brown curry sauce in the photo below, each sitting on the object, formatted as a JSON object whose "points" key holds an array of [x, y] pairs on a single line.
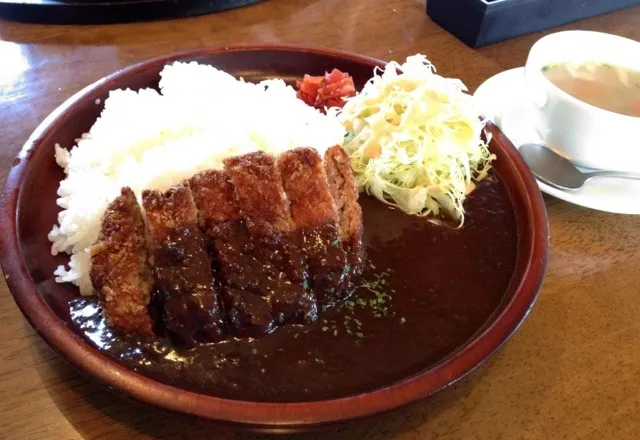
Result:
{"points": [[426, 290]]}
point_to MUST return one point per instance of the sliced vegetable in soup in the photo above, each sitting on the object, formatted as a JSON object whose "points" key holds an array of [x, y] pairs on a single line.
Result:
{"points": [[606, 86]]}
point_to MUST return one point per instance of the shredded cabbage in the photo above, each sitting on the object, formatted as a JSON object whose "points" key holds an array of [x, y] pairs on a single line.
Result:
{"points": [[414, 139]]}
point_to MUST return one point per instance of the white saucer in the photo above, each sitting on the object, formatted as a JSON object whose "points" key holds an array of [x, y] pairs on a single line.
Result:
{"points": [[501, 99]]}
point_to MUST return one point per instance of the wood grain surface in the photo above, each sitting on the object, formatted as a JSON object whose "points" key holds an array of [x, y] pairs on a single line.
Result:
{"points": [[571, 371]]}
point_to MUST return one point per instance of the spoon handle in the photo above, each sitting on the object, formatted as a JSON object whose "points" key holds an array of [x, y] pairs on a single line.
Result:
{"points": [[614, 174]]}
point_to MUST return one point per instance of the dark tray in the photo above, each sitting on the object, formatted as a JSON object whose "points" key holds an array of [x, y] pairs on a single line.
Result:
{"points": [[110, 11], [481, 22]]}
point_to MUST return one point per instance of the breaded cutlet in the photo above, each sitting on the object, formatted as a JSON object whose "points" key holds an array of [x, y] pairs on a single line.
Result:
{"points": [[241, 274], [120, 270], [263, 203], [306, 187], [224, 225], [213, 194], [316, 220], [345, 195], [259, 193], [183, 269]]}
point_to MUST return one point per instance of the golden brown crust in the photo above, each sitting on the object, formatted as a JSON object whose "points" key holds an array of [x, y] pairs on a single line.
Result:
{"points": [[213, 193], [259, 193], [183, 273], [260, 196], [120, 270], [261, 216], [306, 186], [248, 313], [173, 209], [345, 192]]}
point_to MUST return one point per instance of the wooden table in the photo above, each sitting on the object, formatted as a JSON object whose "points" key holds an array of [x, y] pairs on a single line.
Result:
{"points": [[571, 371]]}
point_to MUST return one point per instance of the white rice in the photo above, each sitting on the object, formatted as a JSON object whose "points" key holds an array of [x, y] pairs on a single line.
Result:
{"points": [[151, 140]]}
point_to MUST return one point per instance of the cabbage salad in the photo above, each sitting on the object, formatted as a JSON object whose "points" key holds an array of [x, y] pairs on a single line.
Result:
{"points": [[415, 139]]}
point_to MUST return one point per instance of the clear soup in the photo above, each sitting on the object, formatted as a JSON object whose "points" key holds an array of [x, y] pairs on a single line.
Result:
{"points": [[606, 86]]}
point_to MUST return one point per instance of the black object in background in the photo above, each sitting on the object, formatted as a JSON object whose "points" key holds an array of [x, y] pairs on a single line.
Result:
{"points": [[481, 22], [110, 11]]}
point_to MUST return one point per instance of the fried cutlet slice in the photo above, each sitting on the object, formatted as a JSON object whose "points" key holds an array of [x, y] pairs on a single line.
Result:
{"points": [[120, 270], [314, 214], [262, 201], [259, 194], [345, 196], [241, 274], [183, 272], [306, 187]]}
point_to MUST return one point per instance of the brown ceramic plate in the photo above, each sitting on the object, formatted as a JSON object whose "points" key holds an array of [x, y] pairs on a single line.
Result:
{"points": [[458, 333]]}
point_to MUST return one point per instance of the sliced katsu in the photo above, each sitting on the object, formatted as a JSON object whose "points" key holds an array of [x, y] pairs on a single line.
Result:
{"points": [[245, 288], [345, 195], [120, 270], [261, 199], [315, 217], [192, 311], [233, 252]]}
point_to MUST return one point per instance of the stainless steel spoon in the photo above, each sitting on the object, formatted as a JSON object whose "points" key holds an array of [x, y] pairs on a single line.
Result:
{"points": [[556, 171]]}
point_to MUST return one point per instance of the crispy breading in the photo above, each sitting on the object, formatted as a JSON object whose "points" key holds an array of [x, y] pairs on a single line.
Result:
{"points": [[213, 193], [235, 251], [120, 270], [260, 196], [316, 221], [183, 269], [167, 212], [258, 190], [306, 187], [241, 274], [345, 195]]}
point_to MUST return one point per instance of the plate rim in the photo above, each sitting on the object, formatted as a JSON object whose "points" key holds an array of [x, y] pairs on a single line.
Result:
{"points": [[267, 416]]}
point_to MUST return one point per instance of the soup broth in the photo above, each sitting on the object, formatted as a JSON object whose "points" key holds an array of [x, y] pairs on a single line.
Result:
{"points": [[612, 88]]}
